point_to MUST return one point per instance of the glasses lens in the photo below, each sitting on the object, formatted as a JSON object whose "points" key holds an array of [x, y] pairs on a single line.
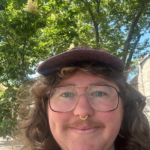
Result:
{"points": [[103, 98], [63, 98]]}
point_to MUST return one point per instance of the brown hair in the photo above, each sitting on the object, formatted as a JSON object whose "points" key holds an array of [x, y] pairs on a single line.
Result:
{"points": [[35, 132]]}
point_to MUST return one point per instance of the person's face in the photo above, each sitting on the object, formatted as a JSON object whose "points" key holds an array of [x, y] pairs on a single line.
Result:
{"points": [[97, 132]]}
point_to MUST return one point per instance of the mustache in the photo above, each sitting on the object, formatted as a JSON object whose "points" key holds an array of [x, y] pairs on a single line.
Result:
{"points": [[87, 122]]}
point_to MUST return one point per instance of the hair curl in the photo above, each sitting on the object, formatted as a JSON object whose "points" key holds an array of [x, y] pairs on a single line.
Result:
{"points": [[35, 132]]}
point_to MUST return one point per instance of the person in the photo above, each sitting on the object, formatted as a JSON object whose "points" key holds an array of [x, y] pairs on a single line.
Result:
{"points": [[83, 102]]}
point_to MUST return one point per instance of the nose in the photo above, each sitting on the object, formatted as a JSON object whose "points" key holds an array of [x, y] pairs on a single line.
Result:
{"points": [[83, 107]]}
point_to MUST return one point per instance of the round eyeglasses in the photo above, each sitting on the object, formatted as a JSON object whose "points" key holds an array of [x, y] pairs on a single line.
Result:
{"points": [[101, 98]]}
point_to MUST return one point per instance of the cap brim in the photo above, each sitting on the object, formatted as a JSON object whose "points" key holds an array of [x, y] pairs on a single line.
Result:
{"points": [[80, 55]]}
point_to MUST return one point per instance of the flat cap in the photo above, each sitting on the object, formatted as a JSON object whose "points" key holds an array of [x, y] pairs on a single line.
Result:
{"points": [[79, 54]]}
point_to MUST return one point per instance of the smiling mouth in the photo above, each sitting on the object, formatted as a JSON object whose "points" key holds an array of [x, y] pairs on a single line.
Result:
{"points": [[84, 129]]}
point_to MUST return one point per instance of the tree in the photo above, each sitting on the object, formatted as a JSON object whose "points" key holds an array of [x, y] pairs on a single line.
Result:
{"points": [[35, 30], [28, 35], [118, 26]]}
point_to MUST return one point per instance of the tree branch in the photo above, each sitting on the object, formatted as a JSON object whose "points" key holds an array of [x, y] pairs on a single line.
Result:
{"points": [[98, 6], [147, 13], [129, 38], [95, 23], [131, 52], [89, 10]]}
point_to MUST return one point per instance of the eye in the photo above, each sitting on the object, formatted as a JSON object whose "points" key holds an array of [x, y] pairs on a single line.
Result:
{"points": [[67, 94], [98, 93]]}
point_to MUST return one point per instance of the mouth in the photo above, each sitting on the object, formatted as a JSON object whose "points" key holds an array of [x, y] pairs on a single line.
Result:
{"points": [[84, 129]]}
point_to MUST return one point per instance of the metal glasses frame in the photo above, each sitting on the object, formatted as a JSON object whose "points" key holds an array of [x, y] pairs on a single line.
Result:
{"points": [[49, 96]]}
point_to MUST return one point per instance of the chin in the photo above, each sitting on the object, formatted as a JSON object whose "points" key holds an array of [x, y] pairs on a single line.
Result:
{"points": [[85, 146]]}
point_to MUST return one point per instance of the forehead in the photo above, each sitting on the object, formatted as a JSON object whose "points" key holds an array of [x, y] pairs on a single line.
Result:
{"points": [[81, 78]]}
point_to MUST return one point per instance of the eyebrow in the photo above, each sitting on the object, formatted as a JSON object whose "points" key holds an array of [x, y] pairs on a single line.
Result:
{"points": [[100, 83], [67, 84], [94, 83]]}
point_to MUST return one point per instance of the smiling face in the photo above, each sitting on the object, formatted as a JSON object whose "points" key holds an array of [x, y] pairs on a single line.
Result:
{"points": [[97, 132]]}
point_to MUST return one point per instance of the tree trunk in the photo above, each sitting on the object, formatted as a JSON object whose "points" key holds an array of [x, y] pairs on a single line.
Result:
{"points": [[129, 38], [94, 22], [131, 53]]}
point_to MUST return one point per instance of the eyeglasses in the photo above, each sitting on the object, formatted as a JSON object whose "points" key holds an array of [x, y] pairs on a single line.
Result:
{"points": [[101, 98]]}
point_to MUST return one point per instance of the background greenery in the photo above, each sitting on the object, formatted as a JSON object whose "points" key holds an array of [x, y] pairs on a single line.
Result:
{"points": [[35, 30]]}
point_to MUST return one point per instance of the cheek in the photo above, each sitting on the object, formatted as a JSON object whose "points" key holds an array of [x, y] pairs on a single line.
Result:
{"points": [[112, 122], [112, 119], [53, 123], [56, 120], [52, 120], [107, 118]]}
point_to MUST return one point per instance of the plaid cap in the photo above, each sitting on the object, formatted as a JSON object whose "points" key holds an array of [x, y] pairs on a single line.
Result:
{"points": [[79, 54]]}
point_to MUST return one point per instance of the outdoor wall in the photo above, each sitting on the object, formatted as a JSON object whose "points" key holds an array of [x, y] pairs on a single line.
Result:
{"points": [[142, 81]]}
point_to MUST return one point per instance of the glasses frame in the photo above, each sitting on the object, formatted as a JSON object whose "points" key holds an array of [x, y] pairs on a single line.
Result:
{"points": [[49, 97]]}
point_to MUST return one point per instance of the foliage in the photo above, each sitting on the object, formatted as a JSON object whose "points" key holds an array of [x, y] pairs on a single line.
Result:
{"points": [[35, 30], [25, 39], [117, 26]]}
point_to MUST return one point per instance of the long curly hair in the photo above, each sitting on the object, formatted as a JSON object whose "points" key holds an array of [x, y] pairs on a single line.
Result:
{"points": [[35, 132]]}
